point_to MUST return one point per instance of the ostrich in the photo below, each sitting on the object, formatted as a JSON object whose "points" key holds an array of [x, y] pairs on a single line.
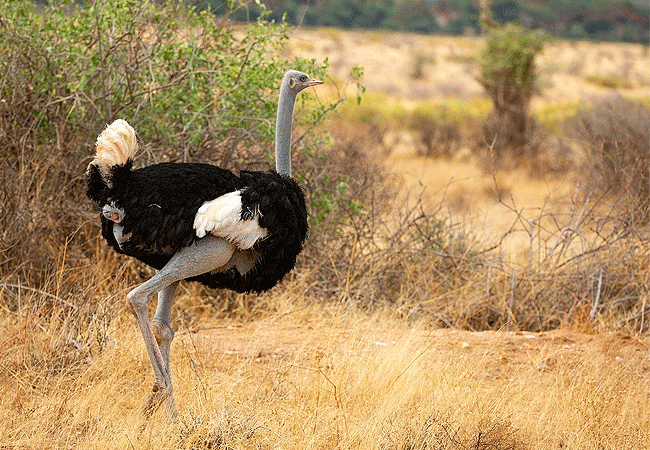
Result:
{"points": [[197, 222]]}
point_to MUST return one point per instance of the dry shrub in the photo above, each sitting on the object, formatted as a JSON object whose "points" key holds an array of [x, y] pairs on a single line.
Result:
{"points": [[374, 249], [615, 139], [506, 143], [437, 128], [363, 127], [437, 139], [437, 433], [606, 289], [584, 267]]}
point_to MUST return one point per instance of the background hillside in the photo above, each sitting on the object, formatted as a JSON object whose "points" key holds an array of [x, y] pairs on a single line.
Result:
{"points": [[612, 20]]}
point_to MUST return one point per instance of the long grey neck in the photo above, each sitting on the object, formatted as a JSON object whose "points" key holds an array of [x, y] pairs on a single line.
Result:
{"points": [[283, 130]]}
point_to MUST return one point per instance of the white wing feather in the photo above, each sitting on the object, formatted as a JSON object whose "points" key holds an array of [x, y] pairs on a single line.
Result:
{"points": [[222, 217]]}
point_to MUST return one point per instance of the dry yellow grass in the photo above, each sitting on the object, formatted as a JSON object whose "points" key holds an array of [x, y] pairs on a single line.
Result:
{"points": [[325, 378]]}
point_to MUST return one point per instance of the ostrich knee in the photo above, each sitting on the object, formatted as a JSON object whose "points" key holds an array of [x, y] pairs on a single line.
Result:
{"points": [[163, 332], [139, 304], [164, 335]]}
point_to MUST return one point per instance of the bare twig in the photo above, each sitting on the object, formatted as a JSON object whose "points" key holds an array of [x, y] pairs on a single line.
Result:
{"points": [[37, 291]]}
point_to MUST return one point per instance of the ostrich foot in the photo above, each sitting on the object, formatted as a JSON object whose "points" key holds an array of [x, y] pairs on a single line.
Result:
{"points": [[159, 395]]}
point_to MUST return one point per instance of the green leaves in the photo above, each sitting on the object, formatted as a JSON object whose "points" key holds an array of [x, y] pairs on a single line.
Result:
{"points": [[177, 75], [355, 75], [508, 75], [510, 52], [195, 88], [334, 199]]}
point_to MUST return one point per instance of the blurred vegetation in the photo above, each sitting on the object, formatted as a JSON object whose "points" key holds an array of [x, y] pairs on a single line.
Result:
{"points": [[615, 141], [508, 74], [608, 81], [618, 20], [552, 117]]}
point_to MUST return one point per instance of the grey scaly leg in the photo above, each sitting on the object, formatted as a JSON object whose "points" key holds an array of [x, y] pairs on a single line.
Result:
{"points": [[205, 255], [162, 319], [164, 333]]}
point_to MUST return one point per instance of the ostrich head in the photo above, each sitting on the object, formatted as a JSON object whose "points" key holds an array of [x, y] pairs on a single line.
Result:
{"points": [[297, 81]]}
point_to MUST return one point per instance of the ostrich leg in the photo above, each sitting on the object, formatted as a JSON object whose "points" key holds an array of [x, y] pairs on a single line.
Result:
{"points": [[161, 321], [164, 334], [205, 255]]}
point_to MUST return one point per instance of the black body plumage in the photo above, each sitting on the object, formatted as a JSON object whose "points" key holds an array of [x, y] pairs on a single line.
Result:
{"points": [[160, 203]]}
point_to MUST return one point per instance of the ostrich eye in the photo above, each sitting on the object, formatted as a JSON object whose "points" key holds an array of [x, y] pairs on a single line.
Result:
{"points": [[304, 78]]}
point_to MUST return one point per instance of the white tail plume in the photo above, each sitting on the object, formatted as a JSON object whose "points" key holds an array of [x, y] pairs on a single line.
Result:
{"points": [[115, 146]]}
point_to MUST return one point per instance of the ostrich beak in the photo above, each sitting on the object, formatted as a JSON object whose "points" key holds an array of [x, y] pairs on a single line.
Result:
{"points": [[312, 82]]}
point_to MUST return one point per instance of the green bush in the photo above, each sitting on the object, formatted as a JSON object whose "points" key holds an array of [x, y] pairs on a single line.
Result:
{"points": [[416, 15], [191, 87], [355, 14]]}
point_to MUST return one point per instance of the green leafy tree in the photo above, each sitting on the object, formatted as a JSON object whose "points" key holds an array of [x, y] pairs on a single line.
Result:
{"points": [[508, 75]]}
